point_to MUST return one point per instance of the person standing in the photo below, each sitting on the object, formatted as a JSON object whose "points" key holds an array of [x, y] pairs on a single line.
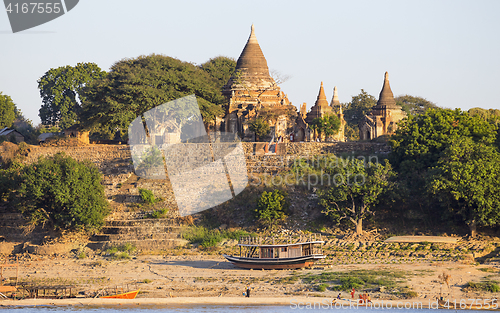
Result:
{"points": [[352, 292], [248, 291]]}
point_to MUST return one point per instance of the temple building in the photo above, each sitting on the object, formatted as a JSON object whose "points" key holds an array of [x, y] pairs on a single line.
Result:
{"points": [[320, 109], [384, 117], [253, 93]]}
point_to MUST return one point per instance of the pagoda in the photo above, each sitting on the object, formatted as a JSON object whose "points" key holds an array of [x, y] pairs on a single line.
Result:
{"points": [[252, 93], [383, 118]]}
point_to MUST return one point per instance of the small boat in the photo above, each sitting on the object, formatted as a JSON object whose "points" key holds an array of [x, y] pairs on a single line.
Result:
{"points": [[283, 253], [126, 295]]}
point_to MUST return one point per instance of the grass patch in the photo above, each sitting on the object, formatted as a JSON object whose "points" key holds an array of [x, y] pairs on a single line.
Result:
{"points": [[82, 255], [148, 197], [359, 279], [288, 280], [490, 286], [322, 287], [488, 270], [121, 252], [208, 238], [147, 281], [162, 213]]}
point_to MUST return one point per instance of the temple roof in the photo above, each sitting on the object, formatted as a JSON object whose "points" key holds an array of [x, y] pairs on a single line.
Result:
{"points": [[320, 108], [251, 58], [386, 98], [321, 99], [252, 68]]}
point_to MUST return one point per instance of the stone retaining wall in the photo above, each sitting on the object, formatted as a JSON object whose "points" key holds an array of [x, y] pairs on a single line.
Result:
{"points": [[116, 159]]}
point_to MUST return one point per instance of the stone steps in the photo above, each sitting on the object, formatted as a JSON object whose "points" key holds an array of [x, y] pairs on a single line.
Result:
{"points": [[144, 234], [148, 244]]}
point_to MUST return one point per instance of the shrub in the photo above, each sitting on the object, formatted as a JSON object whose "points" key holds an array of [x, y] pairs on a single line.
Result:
{"points": [[322, 287], [410, 294], [162, 213], [148, 197], [207, 238], [121, 252], [271, 207], [62, 191], [483, 286], [349, 282]]}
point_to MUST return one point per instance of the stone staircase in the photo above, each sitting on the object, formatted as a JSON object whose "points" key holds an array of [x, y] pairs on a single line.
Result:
{"points": [[11, 229], [144, 234]]}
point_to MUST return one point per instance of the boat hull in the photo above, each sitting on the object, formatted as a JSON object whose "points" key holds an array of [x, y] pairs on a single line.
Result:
{"points": [[271, 264], [126, 295]]}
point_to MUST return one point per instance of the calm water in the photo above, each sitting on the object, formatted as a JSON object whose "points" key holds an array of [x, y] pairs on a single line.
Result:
{"points": [[209, 309]]}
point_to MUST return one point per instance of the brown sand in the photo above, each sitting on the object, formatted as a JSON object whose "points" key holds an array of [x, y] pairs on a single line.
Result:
{"points": [[210, 279]]}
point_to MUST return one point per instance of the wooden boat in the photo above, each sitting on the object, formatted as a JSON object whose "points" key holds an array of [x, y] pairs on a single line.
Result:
{"points": [[8, 288], [273, 253], [126, 295]]}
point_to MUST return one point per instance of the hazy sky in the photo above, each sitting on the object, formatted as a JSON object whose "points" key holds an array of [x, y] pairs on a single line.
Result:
{"points": [[445, 51]]}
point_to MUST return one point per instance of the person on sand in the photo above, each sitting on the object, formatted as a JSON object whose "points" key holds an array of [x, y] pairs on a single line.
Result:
{"points": [[368, 298], [248, 291], [338, 297], [352, 292], [360, 298]]}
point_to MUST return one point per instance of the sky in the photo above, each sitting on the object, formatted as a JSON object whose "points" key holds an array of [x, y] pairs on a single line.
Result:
{"points": [[445, 51]]}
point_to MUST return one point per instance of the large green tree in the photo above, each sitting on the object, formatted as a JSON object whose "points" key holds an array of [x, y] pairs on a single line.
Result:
{"points": [[63, 192], [134, 86], [355, 110], [356, 187], [466, 181], [419, 140], [327, 125], [61, 92], [7, 111], [414, 105], [220, 69], [417, 147]]}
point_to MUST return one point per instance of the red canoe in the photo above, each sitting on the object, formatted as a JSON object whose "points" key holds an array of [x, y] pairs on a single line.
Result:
{"points": [[126, 295]]}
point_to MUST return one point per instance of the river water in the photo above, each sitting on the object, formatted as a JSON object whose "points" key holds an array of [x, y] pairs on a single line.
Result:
{"points": [[210, 309]]}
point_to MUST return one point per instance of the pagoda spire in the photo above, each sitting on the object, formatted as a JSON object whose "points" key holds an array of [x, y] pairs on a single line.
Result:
{"points": [[335, 100], [321, 100], [386, 97]]}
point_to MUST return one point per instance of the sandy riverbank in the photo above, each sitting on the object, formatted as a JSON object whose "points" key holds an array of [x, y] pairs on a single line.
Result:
{"points": [[198, 278], [293, 302]]}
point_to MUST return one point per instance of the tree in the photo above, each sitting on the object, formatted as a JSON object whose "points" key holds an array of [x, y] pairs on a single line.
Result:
{"points": [[419, 140], [328, 125], [359, 106], [7, 111], [414, 105], [220, 69], [466, 181], [355, 110], [134, 86], [61, 92], [66, 193], [356, 191], [271, 207], [260, 128], [491, 116]]}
